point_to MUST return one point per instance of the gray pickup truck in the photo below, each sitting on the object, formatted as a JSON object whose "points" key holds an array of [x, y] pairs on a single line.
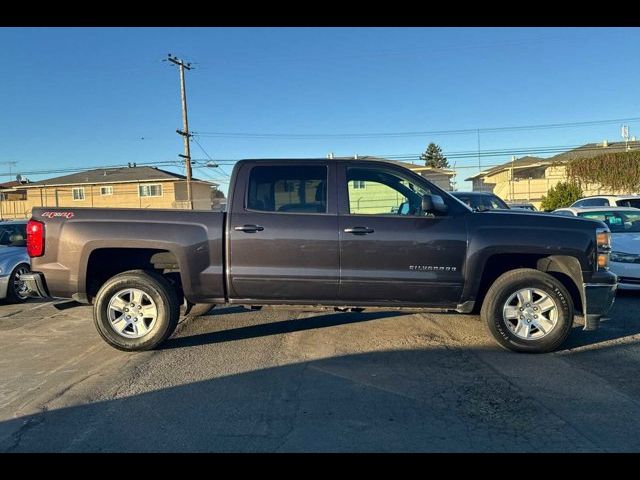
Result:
{"points": [[343, 234]]}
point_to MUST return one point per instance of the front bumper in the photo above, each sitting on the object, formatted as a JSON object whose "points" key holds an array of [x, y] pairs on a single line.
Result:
{"points": [[4, 285], [628, 275], [36, 286], [598, 298]]}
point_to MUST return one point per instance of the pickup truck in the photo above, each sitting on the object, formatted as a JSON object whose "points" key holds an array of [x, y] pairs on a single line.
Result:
{"points": [[325, 233]]}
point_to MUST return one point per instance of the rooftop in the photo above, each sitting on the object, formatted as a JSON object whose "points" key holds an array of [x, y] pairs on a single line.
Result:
{"points": [[588, 150], [114, 175]]}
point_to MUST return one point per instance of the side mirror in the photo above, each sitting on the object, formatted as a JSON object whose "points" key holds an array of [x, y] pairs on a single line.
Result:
{"points": [[433, 203]]}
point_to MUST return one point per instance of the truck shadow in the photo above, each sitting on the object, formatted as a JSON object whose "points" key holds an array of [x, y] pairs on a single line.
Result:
{"points": [[274, 328], [622, 321], [428, 399]]}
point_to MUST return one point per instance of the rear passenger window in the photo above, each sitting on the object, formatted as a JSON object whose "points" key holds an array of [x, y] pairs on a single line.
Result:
{"points": [[595, 202], [300, 189]]}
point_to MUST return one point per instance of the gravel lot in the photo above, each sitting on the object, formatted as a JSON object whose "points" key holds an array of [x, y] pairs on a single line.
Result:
{"points": [[240, 380]]}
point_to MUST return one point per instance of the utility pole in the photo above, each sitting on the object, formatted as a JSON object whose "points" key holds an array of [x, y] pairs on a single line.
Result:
{"points": [[479, 162], [10, 164], [185, 125]]}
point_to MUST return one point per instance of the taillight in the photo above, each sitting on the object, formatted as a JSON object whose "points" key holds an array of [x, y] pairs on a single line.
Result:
{"points": [[35, 238]]}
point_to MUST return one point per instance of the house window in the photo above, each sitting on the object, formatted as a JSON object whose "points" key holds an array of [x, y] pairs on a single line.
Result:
{"points": [[358, 184], [106, 191], [78, 193], [154, 190]]}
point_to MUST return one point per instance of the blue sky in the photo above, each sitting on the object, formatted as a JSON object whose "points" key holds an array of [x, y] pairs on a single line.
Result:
{"points": [[85, 97]]}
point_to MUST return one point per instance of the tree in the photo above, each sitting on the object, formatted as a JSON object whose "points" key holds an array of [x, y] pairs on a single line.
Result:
{"points": [[433, 157], [562, 195]]}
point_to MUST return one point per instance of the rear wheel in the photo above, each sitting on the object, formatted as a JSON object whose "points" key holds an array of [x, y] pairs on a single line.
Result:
{"points": [[17, 291], [136, 310], [528, 311]]}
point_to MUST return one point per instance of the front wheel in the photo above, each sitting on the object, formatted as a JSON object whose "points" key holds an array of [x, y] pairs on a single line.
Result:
{"points": [[17, 291], [136, 310], [527, 310]]}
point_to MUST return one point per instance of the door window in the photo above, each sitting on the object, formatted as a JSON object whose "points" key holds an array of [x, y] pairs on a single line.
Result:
{"points": [[380, 192], [300, 189]]}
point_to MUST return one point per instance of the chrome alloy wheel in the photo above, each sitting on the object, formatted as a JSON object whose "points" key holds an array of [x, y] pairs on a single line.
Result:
{"points": [[132, 313], [19, 287], [530, 313]]}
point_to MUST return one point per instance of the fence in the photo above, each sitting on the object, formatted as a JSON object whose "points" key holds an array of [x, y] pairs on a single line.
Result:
{"points": [[14, 209]]}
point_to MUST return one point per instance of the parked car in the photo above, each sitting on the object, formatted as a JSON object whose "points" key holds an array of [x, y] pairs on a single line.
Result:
{"points": [[624, 224], [481, 200], [321, 233], [608, 201], [14, 260], [523, 206]]}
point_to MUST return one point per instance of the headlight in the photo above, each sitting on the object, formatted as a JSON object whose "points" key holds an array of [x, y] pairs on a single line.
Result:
{"points": [[622, 257]]}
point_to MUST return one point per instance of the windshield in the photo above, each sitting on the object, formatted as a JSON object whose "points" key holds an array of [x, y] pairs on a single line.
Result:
{"points": [[482, 202], [629, 202], [13, 235], [618, 221]]}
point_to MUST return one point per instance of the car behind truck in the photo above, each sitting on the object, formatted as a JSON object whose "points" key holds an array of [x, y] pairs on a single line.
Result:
{"points": [[344, 234]]}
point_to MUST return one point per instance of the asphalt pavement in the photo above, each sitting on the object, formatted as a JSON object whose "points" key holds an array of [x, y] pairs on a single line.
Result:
{"points": [[284, 381]]}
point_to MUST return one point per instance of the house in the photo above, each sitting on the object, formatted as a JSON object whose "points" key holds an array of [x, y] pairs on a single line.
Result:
{"points": [[126, 187], [528, 179], [441, 177], [12, 199], [12, 191]]}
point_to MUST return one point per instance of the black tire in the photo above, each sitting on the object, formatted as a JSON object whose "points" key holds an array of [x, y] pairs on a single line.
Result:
{"points": [[14, 292], [507, 285], [198, 310], [158, 289]]}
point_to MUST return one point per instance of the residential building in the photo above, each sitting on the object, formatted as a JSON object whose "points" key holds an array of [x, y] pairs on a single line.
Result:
{"points": [[528, 179], [12, 197], [127, 187]]}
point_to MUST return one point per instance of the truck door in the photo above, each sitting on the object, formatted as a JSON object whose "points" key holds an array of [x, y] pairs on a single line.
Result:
{"points": [[390, 250], [283, 233]]}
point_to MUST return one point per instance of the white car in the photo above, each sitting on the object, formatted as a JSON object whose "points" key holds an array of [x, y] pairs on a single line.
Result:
{"points": [[624, 224], [608, 201]]}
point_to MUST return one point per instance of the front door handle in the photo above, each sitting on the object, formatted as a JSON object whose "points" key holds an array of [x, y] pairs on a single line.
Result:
{"points": [[249, 228], [359, 230]]}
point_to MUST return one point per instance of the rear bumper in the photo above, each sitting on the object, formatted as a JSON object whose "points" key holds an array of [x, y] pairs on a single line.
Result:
{"points": [[598, 299], [36, 286]]}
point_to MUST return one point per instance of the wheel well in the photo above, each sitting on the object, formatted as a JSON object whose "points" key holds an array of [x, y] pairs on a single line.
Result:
{"points": [[104, 263], [560, 267]]}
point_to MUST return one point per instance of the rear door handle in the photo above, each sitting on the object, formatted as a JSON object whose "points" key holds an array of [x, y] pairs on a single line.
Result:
{"points": [[359, 230], [249, 228]]}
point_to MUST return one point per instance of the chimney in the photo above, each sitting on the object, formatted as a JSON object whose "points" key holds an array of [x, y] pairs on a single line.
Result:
{"points": [[355, 157]]}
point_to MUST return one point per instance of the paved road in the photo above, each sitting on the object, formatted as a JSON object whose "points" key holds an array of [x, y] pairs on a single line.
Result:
{"points": [[238, 380]]}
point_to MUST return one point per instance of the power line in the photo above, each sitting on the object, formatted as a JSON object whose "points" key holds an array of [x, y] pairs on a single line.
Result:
{"points": [[209, 157], [465, 131], [405, 156]]}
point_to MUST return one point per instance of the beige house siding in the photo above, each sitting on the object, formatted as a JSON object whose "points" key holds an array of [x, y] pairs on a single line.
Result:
{"points": [[531, 190], [123, 195], [438, 179]]}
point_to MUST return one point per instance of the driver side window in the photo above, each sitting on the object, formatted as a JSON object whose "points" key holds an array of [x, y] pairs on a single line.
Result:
{"points": [[378, 192]]}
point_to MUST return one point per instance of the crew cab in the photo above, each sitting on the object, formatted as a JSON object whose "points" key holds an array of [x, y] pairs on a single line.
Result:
{"points": [[326, 233]]}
